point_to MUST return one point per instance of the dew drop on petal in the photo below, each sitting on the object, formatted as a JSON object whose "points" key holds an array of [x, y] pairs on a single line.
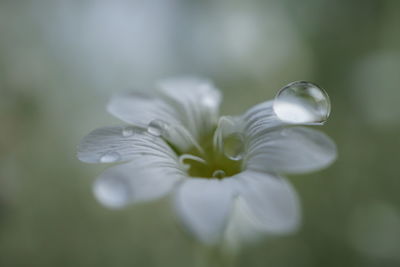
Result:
{"points": [[157, 128], [302, 103], [113, 192], [233, 146], [127, 131], [219, 174], [286, 131], [109, 157]]}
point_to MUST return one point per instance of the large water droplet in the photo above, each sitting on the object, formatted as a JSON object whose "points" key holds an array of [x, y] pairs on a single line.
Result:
{"points": [[233, 146], [109, 157], [158, 127], [302, 103], [127, 131], [112, 191], [219, 174]]}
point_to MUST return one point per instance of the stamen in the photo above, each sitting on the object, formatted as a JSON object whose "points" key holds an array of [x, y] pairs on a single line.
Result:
{"points": [[228, 139], [225, 127], [186, 135], [175, 134], [184, 157]]}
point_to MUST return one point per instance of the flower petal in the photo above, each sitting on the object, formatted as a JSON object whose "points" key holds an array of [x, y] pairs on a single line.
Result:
{"points": [[115, 144], [290, 150], [272, 204], [196, 101], [260, 119], [186, 109], [147, 177], [204, 206], [140, 109]]}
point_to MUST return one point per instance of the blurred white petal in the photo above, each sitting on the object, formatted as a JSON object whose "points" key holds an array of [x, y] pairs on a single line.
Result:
{"points": [[290, 150], [115, 144], [272, 204], [242, 227], [146, 111], [204, 206], [140, 109], [187, 110], [196, 101], [146, 178], [260, 119]]}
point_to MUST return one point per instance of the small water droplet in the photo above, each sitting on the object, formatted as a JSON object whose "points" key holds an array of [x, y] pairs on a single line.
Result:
{"points": [[233, 146], [113, 192], [127, 131], [157, 128], [286, 131], [219, 174], [302, 103], [110, 157]]}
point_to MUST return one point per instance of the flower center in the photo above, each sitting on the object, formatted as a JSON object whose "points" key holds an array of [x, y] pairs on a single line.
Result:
{"points": [[213, 162]]}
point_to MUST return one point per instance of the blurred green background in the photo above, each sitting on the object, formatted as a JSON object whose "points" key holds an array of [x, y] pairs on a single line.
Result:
{"points": [[60, 61]]}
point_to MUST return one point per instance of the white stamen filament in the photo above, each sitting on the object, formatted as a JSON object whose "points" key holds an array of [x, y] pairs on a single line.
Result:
{"points": [[184, 157]]}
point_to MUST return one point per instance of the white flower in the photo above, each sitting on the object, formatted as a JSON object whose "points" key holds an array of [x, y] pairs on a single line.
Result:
{"points": [[176, 143]]}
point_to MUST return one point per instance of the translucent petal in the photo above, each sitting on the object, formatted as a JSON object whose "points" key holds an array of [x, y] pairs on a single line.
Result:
{"points": [[186, 108], [114, 144], [196, 101], [140, 109], [243, 227], [175, 134], [160, 118], [204, 206], [260, 119], [290, 150], [145, 178], [271, 204]]}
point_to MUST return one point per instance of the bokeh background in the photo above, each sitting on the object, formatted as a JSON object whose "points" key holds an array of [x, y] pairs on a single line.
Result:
{"points": [[60, 61]]}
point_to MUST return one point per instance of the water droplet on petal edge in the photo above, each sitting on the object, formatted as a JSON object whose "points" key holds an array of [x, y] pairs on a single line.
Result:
{"points": [[110, 157], [286, 131], [302, 103], [127, 131], [157, 128]]}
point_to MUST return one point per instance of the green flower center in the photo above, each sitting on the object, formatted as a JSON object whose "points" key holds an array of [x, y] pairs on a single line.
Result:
{"points": [[217, 164]]}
